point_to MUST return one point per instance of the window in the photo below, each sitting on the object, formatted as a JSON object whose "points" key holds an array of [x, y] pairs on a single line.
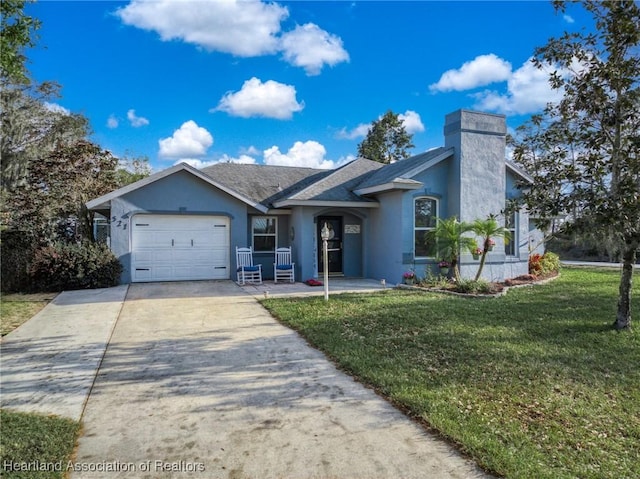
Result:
{"points": [[510, 225], [264, 229], [101, 229], [425, 215]]}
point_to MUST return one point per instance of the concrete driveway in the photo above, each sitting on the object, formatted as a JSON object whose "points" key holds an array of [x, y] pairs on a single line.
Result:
{"points": [[199, 381], [49, 363]]}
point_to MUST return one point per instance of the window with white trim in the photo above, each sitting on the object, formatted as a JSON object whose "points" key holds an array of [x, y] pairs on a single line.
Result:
{"points": [[264, 230], [425, 216], [510, 225]]}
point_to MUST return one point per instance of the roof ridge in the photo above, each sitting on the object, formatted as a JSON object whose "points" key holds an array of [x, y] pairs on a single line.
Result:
{"points": [[331, 174], [260, 165], [405, 169]]}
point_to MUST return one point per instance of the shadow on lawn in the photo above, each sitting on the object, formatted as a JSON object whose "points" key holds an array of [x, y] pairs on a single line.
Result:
{"points": [[564, 332]]}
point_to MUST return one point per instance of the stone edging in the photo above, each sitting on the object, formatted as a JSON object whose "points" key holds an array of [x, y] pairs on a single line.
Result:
{"points": [[475, 295]]}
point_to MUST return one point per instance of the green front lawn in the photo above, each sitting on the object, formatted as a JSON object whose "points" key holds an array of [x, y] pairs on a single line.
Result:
{"points": [[15, 309], [29, 442], [33, 446], [535, 384]]}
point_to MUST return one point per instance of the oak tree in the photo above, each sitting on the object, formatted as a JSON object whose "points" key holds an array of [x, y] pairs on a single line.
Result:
{"points": [[583, 151], [387, 140]]}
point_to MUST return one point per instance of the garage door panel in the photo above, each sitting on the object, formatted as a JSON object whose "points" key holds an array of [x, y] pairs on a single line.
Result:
{"points": [[141, 274], [174, 248], [144, 256], [152, 239], [204, 240]]}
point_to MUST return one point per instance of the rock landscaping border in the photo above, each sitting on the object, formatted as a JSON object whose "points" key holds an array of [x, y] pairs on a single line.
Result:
{"points": [[505, 288]]}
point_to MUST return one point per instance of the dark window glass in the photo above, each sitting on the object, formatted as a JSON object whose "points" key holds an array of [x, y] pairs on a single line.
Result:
{"points": [[510, 244], [425, 215], [425, 211], [264, 233]]}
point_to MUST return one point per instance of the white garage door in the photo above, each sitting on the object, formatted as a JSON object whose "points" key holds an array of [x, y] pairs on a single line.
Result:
{"points": [[179, 247]]}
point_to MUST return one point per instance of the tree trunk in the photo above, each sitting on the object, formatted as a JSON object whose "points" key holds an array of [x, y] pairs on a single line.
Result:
{"points": [[456, 270], [485, 249], [623, 316], [86, 226]]}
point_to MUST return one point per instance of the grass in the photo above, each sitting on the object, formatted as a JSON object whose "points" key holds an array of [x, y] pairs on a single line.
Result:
{"points": [[15, 309], [535, 384], [32, 442]]}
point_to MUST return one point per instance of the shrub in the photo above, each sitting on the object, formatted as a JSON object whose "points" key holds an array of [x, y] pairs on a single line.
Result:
{"points": [[433, 281], [535, 266], [550, 263], [74, 266], [474, 287], [541, 265], [17, 252]]}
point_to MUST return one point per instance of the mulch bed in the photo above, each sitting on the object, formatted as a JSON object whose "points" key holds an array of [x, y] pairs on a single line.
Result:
{"points": [[496, 288]]}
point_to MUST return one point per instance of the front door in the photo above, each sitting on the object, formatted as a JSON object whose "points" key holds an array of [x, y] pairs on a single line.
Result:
{"points": [[334, 245]]}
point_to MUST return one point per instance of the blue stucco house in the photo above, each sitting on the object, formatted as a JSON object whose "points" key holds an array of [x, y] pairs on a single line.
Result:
{"points": [[184, 224]]}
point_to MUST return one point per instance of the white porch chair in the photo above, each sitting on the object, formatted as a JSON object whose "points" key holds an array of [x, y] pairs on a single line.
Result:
{"points": [[247, 272], [284, 268]]}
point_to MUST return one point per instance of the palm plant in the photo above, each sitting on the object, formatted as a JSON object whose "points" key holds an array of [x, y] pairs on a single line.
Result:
{"points": [[488, 229], [447, 239]]}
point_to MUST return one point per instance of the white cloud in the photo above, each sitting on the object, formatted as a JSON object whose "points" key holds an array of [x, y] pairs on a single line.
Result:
{"points": [[136, 121], [527, 88], [187, 141], [197, 163], [251, 151], [528, 91], [243, 28], [411, 121], [269, 99], [359, 131], [310, 47], [310, 154], [568, 18], [343, 160], [243, 159], [55, 108], [112, 122], [480, 71]]}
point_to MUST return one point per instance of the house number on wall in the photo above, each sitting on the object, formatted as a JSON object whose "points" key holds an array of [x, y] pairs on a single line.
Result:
{"points": [[351, 229]]}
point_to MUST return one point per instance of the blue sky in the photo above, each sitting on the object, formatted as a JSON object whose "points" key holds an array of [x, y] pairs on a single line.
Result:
{"points": [[288, 83]]}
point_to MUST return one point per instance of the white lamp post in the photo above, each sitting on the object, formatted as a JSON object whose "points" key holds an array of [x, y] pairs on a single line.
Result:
{"points": [[324, 234]]}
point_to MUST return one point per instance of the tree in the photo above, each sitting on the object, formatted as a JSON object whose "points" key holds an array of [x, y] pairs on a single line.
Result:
{"points": [[488, 229], [31, 130], [583, 152], [49, 170], [49, 206], [387, 140], [51, 203], [17, 32], [447, 239], [131, 170]]}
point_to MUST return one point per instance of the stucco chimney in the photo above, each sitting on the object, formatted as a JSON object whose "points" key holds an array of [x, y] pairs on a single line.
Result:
{"points": [[477, 180]]}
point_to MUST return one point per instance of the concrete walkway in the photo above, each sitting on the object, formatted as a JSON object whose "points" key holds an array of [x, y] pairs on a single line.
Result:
{"points": [[49, 363], [336, 286], [199, 381]]}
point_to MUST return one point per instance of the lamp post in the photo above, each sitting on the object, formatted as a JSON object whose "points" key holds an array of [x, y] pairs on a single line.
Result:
{"points": [[324, 234]]}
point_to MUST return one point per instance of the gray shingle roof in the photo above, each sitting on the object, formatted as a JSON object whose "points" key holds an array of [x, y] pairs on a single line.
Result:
{"points": [[263, 183], [338, 185], [261, 186], [402, 169], [267, 184]]}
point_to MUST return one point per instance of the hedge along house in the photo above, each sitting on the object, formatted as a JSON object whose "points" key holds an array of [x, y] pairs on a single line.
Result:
{"points": [[184, 224]]}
